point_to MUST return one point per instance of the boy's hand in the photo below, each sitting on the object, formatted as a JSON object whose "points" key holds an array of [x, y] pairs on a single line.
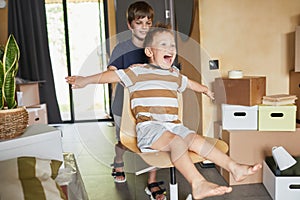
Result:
{"points": [[210, 94], [76, 81]]}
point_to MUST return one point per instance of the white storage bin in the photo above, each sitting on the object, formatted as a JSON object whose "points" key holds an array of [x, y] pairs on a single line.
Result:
{"points": [[237, 117], [281, 187]]}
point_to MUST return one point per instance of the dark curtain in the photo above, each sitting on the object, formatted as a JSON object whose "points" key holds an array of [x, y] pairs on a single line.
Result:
{"points": [[27, 21]]}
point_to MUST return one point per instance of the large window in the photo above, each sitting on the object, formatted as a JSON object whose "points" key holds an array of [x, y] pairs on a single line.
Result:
{"points": [[76, 33]]}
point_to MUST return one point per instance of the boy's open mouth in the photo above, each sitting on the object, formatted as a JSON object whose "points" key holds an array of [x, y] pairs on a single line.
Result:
{"points": [[168, 58]]}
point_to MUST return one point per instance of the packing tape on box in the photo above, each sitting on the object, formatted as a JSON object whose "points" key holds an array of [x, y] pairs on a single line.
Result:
{"points": [[235, 74]]}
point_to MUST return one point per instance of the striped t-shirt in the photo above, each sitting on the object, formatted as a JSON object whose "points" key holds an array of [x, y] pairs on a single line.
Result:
{"points": [[153, 92]]}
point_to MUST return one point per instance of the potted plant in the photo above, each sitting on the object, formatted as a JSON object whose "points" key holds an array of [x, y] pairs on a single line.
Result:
{"points": [[13, 119]]}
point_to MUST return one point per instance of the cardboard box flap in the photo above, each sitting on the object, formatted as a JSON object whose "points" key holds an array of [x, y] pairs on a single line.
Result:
{"points": [[279, 97]]}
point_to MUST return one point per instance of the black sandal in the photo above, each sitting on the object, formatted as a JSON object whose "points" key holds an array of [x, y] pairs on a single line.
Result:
{"points": [[116, 174], [158, 192]]}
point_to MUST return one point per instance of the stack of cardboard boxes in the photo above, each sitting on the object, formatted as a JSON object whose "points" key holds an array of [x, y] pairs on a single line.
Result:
{"points": [[239, 99], [28, 96], [295, 74], [281, 186], [247, 125], [242, 108], [251, 129]]}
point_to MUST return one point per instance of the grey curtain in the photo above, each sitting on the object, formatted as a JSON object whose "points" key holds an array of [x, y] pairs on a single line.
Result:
{"points": [[27, 21]]}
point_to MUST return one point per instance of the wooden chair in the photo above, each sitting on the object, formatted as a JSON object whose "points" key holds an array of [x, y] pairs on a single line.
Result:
{"points": [[155, 159]]}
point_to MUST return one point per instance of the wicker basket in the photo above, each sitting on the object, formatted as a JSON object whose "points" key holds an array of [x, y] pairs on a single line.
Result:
{"points": [[13, 122]]}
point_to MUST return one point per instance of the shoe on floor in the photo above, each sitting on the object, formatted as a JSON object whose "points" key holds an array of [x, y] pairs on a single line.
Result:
{"points": [[116, 174], [158, 192]]}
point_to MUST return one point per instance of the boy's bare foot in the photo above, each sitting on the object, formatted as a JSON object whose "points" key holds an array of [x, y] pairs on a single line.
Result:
{"points": [[202, 189], [240, 172]]}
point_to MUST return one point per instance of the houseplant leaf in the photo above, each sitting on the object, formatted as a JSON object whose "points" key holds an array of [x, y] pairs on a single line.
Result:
{"points": [[10, 66], [1, 85]]}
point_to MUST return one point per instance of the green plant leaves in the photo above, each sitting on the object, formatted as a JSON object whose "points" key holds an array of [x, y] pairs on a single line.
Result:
{"points": [[1, 85], [8, 71]]}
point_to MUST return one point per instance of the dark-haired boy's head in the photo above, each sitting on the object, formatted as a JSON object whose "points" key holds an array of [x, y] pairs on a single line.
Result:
{"points": [[139, 10], [139, 19]]}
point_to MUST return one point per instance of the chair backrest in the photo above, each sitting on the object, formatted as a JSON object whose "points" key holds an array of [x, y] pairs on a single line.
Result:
{"points": [[127, 129], [128, 122]]}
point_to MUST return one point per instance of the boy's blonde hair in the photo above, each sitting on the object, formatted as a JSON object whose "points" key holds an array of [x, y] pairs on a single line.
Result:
{"points": [[158, 28], [139, 10]]}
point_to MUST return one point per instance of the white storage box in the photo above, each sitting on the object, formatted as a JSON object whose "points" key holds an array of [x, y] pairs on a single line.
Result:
{"points": [[38, 140], [281, 187], [237, 117]]}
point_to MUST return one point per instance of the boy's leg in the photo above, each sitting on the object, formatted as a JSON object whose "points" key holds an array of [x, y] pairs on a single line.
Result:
{"points": [[181, 160], [207, 149], [118, 164], [155, 186]]}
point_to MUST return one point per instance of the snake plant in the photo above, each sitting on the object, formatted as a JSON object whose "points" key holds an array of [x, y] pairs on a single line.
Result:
{"points": [[8, 71]]}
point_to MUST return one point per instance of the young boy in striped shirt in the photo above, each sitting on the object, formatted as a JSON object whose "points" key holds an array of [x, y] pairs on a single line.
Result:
{"points": [[153, 94]]}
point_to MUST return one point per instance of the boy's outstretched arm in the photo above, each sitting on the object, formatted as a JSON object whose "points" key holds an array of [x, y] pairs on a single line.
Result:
{"points": [[197, 87], [82, 81]]}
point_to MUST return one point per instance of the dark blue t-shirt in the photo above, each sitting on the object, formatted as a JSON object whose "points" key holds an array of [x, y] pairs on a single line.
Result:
{"points": [[124, 55]]}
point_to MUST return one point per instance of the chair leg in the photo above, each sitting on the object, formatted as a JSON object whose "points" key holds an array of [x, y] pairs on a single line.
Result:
{"points": [[173, 184]]}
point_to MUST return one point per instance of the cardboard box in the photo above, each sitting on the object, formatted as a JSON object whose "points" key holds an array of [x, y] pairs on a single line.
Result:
{"points": [[250, 147], [28, 94], [281, 187], [235, 117], [295, 88], [297, 49], [246, 91], [277, 118], [37, 114], [38, 140]]}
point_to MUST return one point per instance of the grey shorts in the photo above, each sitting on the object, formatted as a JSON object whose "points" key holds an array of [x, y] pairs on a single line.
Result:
{"points": [[148, 132]]}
